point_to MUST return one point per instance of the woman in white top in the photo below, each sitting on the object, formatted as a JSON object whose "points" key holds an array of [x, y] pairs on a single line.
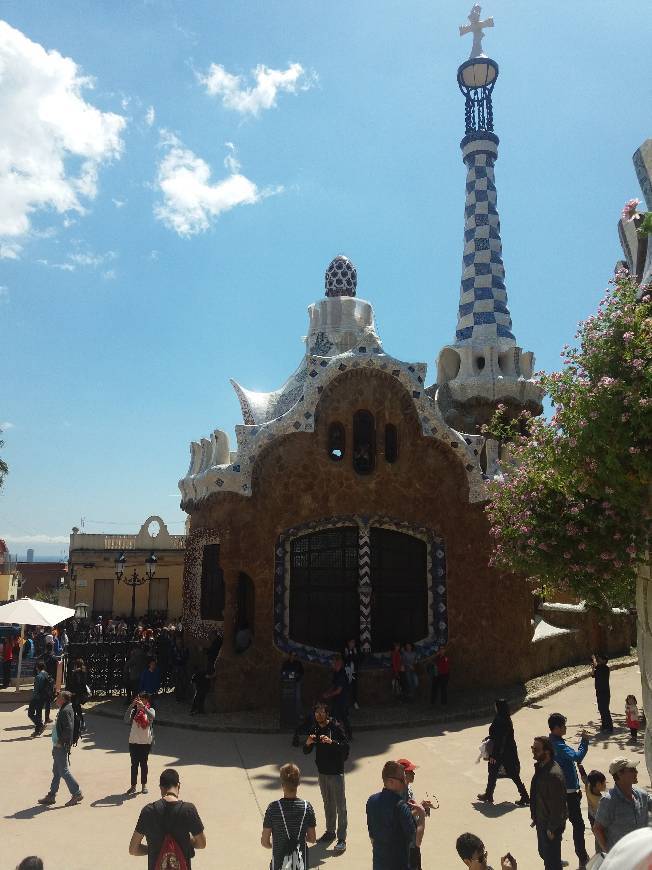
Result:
{"points": [[141, 736]]}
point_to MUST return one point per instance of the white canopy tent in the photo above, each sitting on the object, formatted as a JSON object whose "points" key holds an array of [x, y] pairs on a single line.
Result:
{"points": [[27, 611]]}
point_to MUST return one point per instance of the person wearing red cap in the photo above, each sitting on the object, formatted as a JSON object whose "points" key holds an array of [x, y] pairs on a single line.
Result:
{"points": [[409, 768]]}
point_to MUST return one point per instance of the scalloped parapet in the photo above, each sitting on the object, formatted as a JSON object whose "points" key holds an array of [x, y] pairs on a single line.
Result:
{"points": [[208, 476]]}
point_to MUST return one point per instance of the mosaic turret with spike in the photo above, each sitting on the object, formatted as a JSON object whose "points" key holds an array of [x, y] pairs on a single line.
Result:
{"points": [[484, 367]]}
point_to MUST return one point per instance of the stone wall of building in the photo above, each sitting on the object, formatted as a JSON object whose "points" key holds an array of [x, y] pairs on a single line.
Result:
{"points": [[295, 482]]}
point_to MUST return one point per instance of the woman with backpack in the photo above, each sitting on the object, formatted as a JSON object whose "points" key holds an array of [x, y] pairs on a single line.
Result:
{"points": [[141, 715], [77, 685], [289, 824], [503, 753]]}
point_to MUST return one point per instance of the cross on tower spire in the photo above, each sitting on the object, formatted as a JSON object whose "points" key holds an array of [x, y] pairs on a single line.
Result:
{"points": [[476, 27]]}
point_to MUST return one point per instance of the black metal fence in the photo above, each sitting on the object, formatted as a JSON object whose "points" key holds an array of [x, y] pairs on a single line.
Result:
{"points": [[106, 665]]}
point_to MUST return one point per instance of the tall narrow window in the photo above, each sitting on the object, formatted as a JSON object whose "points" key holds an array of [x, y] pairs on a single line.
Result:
{"points": [[324, 597], [336, 441], [399, 602], [391, 442], [212, 584], [364, 442]]}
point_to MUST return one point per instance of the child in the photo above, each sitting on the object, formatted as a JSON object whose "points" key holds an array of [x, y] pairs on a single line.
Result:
{"points": [[633, 717], [595, 783]]}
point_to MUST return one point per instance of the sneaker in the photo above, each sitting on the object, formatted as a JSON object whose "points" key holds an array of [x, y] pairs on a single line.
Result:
{"points": [[327, 837], [47, 800], [340, 847], [131, 790], [485, 799], [524, 802], [74, 800], [145, 790]]}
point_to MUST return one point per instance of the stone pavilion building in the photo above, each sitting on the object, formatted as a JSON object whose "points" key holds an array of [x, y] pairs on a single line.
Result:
{"points": [[353, 503]]}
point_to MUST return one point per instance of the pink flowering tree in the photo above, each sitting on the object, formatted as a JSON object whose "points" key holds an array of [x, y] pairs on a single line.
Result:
{"points": [[571, 510]]}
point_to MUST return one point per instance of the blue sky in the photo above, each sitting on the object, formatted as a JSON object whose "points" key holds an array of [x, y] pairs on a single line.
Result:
{"points": [[171, 194]]}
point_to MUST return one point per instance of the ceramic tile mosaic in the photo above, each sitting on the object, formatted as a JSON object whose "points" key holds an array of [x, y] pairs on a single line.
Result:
{"points": [[436, 583]]}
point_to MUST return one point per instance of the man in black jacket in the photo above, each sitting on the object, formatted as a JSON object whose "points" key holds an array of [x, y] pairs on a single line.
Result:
{"points": [[548, 802], [61, 743], [331, 749], [600, 670]]}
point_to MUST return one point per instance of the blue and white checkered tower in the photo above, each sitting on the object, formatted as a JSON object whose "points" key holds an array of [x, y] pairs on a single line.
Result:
{"points": [[484, 366]]}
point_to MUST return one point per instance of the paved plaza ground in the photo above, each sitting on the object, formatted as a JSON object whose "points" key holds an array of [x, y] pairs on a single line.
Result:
{"points": [[232, 777]]}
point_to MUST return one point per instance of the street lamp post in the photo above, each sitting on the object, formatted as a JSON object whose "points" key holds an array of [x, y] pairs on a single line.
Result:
{"points": [[135, 579], [72, 581]]}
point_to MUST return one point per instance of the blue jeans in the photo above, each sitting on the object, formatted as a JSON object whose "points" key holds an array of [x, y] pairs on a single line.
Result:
{"points": [[60, 770]]}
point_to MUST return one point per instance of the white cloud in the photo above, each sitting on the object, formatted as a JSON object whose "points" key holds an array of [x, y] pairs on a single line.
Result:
{"points": [[9, 250], [86, 259], [52, 142], [92, 260], [262, 95], [150, 117], [190, 200], [4, 293], [7, 425], [109, 275], [118, 203], [37, 539]]}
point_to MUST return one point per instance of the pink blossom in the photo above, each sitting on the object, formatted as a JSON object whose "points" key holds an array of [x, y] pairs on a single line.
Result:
{"points": [[638, 363], [634, 449], [628, 336]]}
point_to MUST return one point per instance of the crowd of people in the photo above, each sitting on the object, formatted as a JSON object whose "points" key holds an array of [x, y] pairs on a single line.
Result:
{"points": [[396, 819]]}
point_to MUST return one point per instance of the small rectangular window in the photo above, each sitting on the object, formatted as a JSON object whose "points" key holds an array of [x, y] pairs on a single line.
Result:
{"points": [[212, 584]]}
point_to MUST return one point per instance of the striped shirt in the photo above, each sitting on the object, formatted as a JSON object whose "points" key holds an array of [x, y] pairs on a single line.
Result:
{"points": [[293, 809]]}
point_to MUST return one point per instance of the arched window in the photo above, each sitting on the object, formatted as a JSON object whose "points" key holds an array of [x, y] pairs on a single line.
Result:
{"points": [[364, 442], [391, 442], [212, 584], [324, 597], [336, 441]]}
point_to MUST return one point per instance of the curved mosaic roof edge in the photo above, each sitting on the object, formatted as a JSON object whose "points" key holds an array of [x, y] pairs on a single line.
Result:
{"points": [[208, 475]]}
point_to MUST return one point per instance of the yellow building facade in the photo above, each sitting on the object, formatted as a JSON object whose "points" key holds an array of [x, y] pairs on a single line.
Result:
{"points": [[92, 576]]}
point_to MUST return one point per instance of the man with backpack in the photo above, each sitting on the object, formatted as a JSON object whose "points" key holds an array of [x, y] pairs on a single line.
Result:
{"points": [[63, 737], [172, 828], [332, 750], [43, 690], [288, 825]]}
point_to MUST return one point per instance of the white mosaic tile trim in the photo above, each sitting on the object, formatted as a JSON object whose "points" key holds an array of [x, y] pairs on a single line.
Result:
{"points": [[206, 477]]}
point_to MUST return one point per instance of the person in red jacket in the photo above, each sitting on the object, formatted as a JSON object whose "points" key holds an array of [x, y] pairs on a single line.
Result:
{"points": [[440, 677], [7, 658]]}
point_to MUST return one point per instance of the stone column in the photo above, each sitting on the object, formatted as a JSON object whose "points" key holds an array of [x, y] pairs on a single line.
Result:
{"points": [[644, 643]]}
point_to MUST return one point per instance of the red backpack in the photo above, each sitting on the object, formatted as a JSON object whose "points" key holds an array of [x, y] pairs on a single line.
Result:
{"points": [[170, 856]]}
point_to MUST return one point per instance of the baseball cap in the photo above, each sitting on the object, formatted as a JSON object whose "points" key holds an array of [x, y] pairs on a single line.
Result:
{"points": [[633, 852], [622, 763], [407, 764]]}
